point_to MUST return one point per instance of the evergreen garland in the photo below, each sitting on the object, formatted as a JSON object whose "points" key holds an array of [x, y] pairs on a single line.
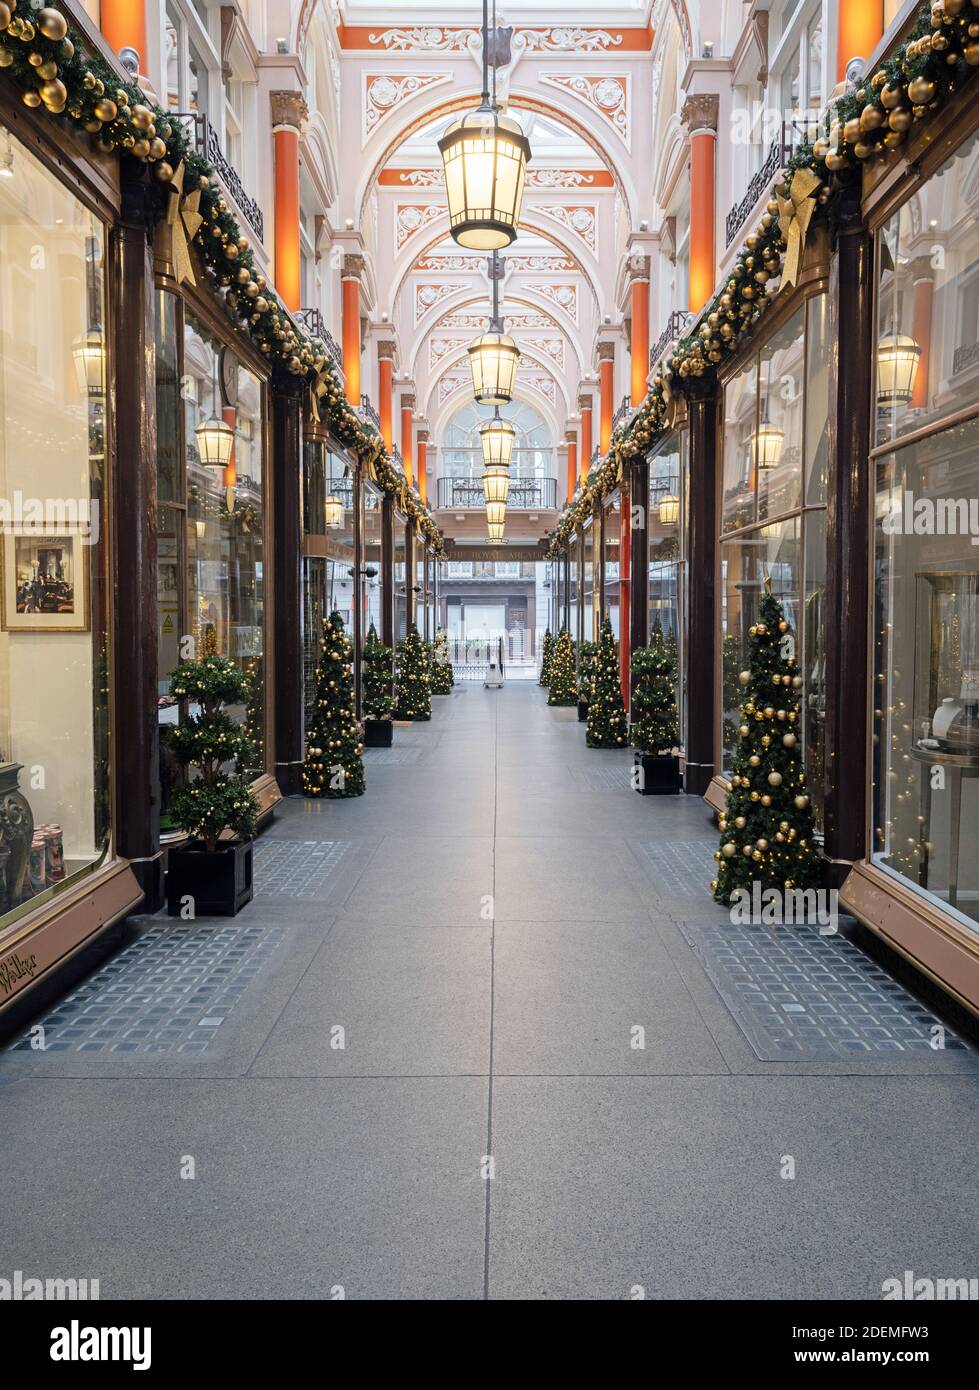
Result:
{"points": [[607, 726], [545, 665], [655, 722], [563, 688], [413, 690], [767, 825], [334, 764], [378, 677], [216, 800]]}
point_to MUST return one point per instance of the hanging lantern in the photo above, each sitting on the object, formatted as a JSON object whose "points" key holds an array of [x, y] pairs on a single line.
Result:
{"points": [[669, 510], [497, 436], [768, 444], [333, 512], [495, 532], [897, 367], [493, 357], [496, 484], [495, 513], [88, 352], [484, 156], [215, 440]]}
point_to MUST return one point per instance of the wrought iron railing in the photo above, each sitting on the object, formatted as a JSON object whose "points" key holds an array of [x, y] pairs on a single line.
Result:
{"points": [[368, 413], [675, 328], [964, 358], [206, 141], [622, 413], [526, 494], [315, 325], [776, 159]]}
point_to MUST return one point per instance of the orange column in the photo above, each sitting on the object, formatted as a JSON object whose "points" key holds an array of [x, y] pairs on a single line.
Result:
{"points": [[921, 333], [585, 406], [230, 477], [407, 429], [350, 287], [859, 26], [700, 114], [288, 113], [606, 400], [572, 444], [123, 22], [639, 342], [385, 391], [422, 462]]}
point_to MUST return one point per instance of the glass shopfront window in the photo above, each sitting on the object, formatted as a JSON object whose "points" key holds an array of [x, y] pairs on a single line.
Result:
{"points": [[431, 594], [589, 616], [328, 565], [400, 578], [666, 526], [773, 516], [612, 532], [573, 607], [373, 577], [54, 727], [421, 596]]}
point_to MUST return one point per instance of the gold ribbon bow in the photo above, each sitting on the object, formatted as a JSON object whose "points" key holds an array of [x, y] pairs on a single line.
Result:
{"points": [[184, 219], [318, 389], [794, 215]]}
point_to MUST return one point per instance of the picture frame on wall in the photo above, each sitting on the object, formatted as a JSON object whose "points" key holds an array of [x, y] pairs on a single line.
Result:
{"points": [[44, 578]]}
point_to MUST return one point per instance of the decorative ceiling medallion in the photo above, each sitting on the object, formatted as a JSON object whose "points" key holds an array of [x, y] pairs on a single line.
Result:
{"points": [[579, 218], [427, 296], [564, 296], [410, 218], [567, 38], [606, 94], [424, 39], [383, 92]]}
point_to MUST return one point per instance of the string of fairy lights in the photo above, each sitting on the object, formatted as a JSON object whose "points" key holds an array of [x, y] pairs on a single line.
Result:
{"points": [[485, 156]]}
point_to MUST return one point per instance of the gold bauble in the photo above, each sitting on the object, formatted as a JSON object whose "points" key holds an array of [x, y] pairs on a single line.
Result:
{"points": [[754, 760], [157, 148], [728, 850], [921, 90], [164, 171], [31, 99], [52, 24], [851, 131], [740, 822], [106, 110], [774, 779], [756, 855], [835, 162], [744, 677], [766, 800], [893, 139], [755, 796], [6, 57], [142, 117], [67, 50], [763, 845], [971, 54], [54, 93], [48, 71], [900, 120], [801, 802], [863, 150], [890, 97], [871, 118], [35, 59], [141, 149], [820, 149], [5, 15], [789, 740]]}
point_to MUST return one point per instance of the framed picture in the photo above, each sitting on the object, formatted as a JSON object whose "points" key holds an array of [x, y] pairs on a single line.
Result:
{"points": [[44, 581]]}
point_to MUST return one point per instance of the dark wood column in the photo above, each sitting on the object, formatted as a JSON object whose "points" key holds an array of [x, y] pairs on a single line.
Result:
{"points": [[702, 642], [639, 540], [848, 520], [287, 583], [135, 624], [387, 572], [359, 585], [410, 596]]}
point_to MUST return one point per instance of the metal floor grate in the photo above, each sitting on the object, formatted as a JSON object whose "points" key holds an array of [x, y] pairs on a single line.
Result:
{"points": [[795, 994], [391, 757], [680, 866], [616, 778], [172, 990], [297, 868]]}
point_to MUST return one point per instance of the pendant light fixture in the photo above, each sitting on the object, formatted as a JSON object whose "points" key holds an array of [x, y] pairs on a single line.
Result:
{"points": [[768, 444], [484, 156], [897, 366], [495, 532], [215, 437], [493, 356], [497, 436]]}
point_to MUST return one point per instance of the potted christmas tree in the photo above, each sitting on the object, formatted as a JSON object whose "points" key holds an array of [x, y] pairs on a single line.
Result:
{"points": [[655, 723], [767, 824], [607, 726], [413, 698], [563, 688], [334, 765], [442, 678], [587, 652], [211, 875], [378, 700], [546, 655]]}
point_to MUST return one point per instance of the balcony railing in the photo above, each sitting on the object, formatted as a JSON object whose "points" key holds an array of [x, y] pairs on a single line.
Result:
{"points": [[776, 159], [368, 413], [676, 326], [526, 494], [623, 413], [964, 358], [206, 142], [312, 321]]}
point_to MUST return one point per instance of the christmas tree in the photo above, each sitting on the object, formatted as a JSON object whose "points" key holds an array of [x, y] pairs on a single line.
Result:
{"points": [[215, 800], [587, 652], [334, 764], [563, 686], [655, 723], [378, 700], [413, 698], [442, 678], [545, 665], [607, 726], [767, 825]]}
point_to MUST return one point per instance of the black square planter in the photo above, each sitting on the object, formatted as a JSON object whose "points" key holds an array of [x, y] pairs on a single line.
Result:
{"points": [[378, 733], [582, 711], [219, 883], [659, 774]]}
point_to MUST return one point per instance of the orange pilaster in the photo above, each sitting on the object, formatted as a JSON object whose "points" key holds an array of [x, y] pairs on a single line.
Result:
{"points": [[385, 398], [407, 452], [230, 477], [606, 387], [572, 464], [625, 595], [123, 22], [859, 26], [585, 406], [702, 150], [423, 468], [921, 333], [639, 342], [287, 256], [351, 337]]}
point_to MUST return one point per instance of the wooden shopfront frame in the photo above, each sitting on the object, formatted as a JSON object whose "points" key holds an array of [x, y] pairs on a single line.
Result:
{"points": [[321, 545], [42, 935], [934, 941]]}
